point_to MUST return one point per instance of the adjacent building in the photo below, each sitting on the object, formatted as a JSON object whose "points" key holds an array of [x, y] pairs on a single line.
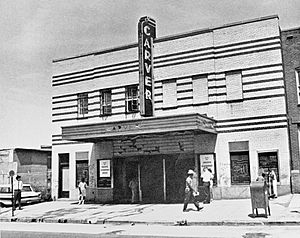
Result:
{"points": [[154, 109], [33, 165], [291, 58]]}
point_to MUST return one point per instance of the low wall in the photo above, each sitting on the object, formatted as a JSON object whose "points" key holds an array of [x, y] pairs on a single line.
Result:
{"points": [[242, 191], [99, 195]]}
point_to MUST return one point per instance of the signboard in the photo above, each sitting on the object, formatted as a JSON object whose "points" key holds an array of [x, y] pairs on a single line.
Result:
{"points": [[146, 35], [104, 168], [207, 160]]}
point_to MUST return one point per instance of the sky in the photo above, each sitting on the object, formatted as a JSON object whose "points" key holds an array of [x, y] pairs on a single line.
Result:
{"points": [[35, 32]]}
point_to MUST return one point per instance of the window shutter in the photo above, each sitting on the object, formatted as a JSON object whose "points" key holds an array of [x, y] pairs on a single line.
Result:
{"points": [[169, 94], [200, 89], [234, 87]]}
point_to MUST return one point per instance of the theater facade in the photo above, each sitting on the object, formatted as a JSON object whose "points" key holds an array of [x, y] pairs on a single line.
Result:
{"points": [[151, 110]]}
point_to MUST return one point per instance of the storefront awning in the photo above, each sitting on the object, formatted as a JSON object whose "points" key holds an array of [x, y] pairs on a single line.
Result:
{"points": [[141, 126]]}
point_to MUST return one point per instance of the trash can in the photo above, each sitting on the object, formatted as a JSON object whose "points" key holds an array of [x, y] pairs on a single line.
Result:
{"points": [[259, 197]]}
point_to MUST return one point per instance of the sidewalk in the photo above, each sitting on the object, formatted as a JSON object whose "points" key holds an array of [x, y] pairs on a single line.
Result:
{"points": [[285, 210]]}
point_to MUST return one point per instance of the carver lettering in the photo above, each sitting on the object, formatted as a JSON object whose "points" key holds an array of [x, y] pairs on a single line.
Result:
{"points": [[147, 33]]}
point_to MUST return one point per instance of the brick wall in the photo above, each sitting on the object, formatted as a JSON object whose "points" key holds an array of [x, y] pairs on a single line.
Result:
{"points": [[291, 59]]}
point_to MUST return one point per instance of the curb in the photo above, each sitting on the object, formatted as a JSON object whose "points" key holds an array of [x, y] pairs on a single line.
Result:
{"points": [[165, 223], [209, 223]]}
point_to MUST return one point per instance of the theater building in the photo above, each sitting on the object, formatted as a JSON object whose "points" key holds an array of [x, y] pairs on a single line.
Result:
{"points": [[152, 110]]}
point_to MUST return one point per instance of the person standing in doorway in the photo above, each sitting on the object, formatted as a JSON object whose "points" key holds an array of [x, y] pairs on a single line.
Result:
{"points": [[206, 178], [82, 191], [273, 182], [189, 192], [133, 185], [18, 186], [211, 184]]}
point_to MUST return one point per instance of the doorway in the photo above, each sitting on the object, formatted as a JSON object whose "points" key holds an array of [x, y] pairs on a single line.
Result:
{"points": [[161, 178], [152, 179], [63, 185], [125, 169]]}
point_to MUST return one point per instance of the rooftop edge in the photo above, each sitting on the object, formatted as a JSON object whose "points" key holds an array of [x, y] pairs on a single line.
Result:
{"points": [[170, 37]]}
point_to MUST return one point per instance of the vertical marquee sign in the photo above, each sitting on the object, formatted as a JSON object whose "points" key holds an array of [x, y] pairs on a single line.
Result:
{"points": [[146, 34]]}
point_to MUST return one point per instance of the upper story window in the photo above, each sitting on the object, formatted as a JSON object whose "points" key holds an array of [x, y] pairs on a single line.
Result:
{"points": [[169, 93], [82, 104], [132, 100], [200, 89], [234, 86], [105, 102], [297, 72]]}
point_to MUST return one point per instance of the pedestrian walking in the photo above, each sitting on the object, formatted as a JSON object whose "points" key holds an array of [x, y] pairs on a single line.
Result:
{"points": [[18, 186], [133, 185], [82, 191], [190, 192], [206, 178]]}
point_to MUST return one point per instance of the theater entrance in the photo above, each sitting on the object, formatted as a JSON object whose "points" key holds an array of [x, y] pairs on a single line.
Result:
{"points": [[160, 178]]}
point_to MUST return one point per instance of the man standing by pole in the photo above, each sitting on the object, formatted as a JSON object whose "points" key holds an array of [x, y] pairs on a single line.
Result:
{"points": [[18, 186], [11, 174]]}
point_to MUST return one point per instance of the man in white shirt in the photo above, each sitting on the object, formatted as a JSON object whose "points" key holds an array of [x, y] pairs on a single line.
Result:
{"points": [[189, 192], [206, 178], [18, 186]]}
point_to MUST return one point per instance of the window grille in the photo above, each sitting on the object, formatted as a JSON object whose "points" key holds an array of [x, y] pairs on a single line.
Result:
{"points": [[132, 102], [105, 102], [82, 104]]}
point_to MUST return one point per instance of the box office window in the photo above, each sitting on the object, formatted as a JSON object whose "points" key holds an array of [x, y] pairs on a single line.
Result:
{"points": [[82, 167], [268, 161], [239, 162], [82, 104], [170, 93], [234, 87], [132, 100], [105, 102], [104, 176]]}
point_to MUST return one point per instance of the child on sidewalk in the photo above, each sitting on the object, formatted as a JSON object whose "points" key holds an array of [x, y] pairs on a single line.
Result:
{"points": [[82, 191]]}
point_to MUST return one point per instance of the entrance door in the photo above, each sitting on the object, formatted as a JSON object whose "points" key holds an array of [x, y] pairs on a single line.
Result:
{"points": [[124, 171], [176, 174], [63, 186], [152, 179], [132, 172]]}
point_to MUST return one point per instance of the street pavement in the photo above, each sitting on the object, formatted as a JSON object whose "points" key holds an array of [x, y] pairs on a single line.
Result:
{"points": [[285, 210], [53, 230]]}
